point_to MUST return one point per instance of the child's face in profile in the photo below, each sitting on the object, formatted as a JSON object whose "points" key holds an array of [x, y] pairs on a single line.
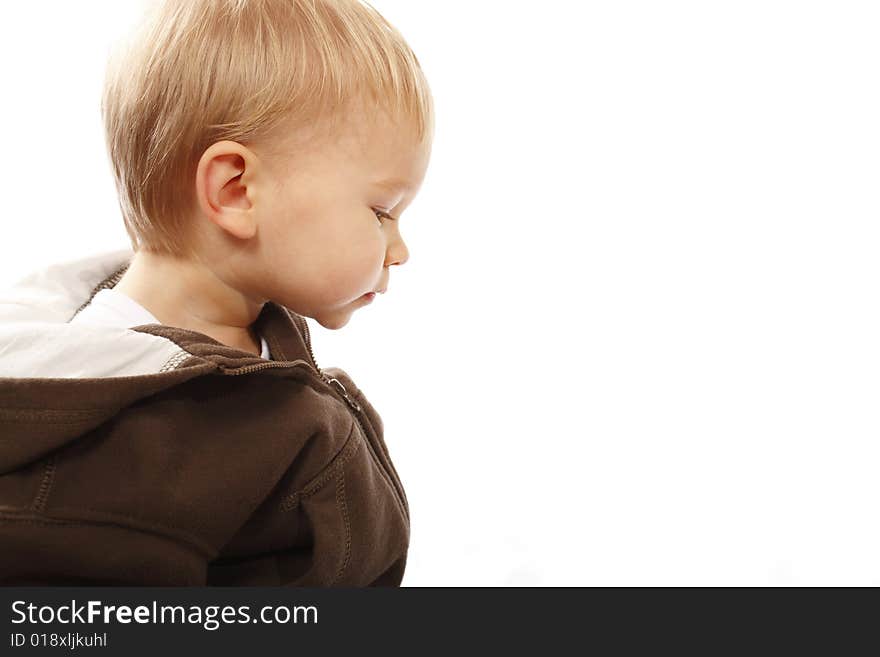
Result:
{"points": [[321, 245]]}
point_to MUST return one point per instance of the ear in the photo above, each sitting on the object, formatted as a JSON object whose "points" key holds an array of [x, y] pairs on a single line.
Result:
{"points": [[225, 190]]}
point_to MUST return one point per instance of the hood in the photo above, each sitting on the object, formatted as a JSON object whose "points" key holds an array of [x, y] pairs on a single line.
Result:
{"points": [[36, 340], [59, 380]]}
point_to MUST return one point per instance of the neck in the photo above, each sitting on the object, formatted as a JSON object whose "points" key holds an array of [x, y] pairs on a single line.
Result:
{"points": [[191, 296]]}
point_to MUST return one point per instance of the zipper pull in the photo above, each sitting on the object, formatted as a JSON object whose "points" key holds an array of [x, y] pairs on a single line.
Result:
{"points": [[352, 402]]}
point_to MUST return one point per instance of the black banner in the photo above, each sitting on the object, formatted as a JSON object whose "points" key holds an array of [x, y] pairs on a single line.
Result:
{"points": [[241, 620]]}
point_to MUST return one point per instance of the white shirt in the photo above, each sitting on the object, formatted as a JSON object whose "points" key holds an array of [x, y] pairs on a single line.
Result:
{"points": [[110, 307]]}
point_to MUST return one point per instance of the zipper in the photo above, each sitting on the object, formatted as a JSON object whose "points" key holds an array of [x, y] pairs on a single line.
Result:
{"points": [[273, 364], [390, 477], [333, 383], [330, 380], [305, 325], [376, 459]]}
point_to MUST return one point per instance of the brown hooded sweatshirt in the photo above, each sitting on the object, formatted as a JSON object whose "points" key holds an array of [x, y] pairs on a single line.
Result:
{"points": [[157, 456]]}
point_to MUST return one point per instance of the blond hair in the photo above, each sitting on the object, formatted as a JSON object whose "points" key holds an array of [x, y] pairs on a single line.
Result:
{"points": [[196, 72]]}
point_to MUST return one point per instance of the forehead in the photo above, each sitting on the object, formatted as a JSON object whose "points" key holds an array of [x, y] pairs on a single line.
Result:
{"points": [[376, 136], [373, 146], [389, 150]]}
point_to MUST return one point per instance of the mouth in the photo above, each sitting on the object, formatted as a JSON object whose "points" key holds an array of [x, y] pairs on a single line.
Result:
{"points": [[369, 296]]}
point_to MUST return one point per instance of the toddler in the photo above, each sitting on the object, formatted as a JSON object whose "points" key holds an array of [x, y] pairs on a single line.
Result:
{"points": [[162, 417]]}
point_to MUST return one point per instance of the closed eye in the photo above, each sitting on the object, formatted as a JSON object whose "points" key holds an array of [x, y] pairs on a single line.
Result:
{"points": [[384, 215]]}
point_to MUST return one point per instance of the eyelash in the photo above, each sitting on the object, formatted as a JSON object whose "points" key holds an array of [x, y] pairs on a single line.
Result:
{"points": [[383, 215]]}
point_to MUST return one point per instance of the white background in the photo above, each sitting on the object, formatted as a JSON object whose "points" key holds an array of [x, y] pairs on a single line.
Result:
{"points": [[636, 342]]}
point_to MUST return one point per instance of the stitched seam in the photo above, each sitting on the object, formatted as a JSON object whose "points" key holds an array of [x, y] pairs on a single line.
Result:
{"points": [[45, 421], [389, 474], [107, 283], [45, 485], [392, 471], [291, 501], [55, 522], [343, 509], [275, 350], [175, 361], [386, 476], [29, 414], [54, 410], [167, 531]]}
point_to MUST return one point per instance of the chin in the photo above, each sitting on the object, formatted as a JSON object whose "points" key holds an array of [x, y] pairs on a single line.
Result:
{"points": [[334, 322]]}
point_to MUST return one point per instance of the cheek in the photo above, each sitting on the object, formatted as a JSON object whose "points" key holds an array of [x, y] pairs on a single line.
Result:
{"points": [[354, 248], [349, 272], [345, 263], [322, 261]]}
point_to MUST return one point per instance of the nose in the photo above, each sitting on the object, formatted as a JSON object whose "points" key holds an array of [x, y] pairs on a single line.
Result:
{"points": [[397, 253]]}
